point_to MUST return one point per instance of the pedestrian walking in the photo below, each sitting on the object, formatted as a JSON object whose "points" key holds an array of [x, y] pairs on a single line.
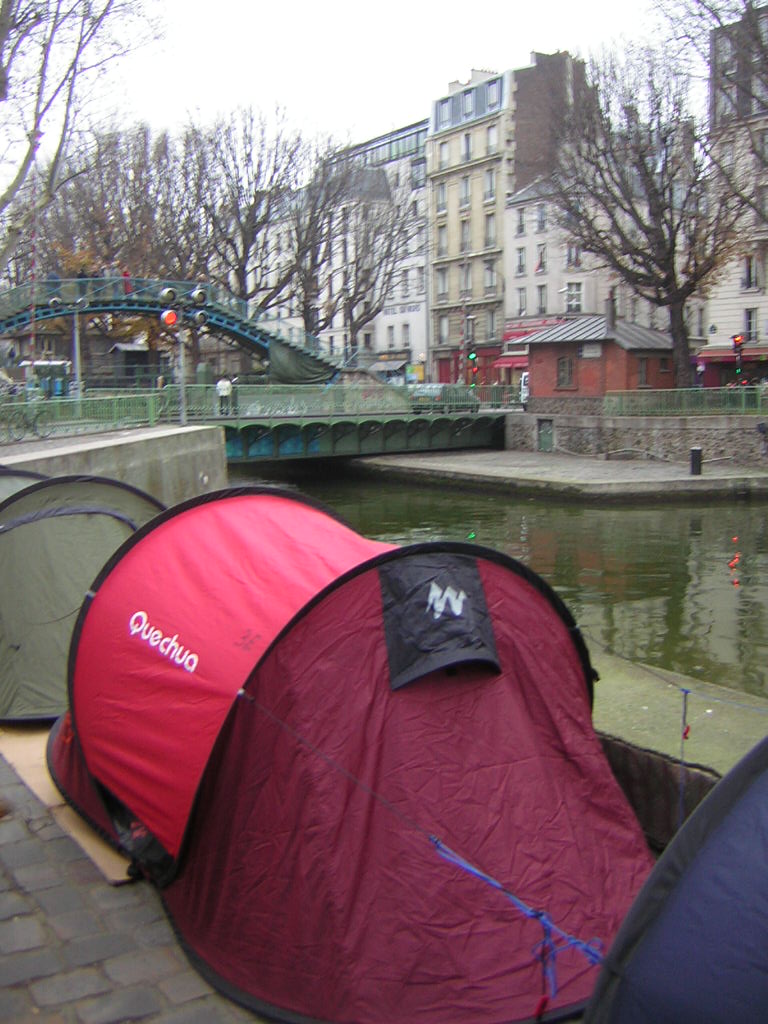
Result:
{"points": [[224, 391], [82, 282]]}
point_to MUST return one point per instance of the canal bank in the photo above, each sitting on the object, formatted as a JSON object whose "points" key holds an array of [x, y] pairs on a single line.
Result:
{"points": [[170, 463], [577, 477]]}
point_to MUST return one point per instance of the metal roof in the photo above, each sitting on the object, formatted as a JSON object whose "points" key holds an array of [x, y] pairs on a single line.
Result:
{"points": [[629, 336]]}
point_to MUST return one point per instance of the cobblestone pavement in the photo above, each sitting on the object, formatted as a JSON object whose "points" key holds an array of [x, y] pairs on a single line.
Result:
{"points": [[74, 948]]}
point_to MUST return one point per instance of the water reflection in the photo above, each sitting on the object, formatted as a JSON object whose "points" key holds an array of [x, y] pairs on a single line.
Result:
{"points": [[659, 585]]}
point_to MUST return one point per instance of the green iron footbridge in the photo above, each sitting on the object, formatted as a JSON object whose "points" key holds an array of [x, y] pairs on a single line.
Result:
{"points": [[264, 335]]}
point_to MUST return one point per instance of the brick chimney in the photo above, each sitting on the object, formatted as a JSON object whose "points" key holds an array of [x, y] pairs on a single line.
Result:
{"points": [[610, 311]]}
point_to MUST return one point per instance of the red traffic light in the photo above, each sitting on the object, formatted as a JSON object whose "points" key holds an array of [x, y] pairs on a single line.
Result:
{"points": [[738, 340], [169, 318]]}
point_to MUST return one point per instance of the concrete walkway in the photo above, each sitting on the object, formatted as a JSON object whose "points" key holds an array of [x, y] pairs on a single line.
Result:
{"points": [[578, 477], [74, 948]]}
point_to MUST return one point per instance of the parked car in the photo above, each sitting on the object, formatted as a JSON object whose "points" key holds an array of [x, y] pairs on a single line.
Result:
{"points": [[444, 398]]}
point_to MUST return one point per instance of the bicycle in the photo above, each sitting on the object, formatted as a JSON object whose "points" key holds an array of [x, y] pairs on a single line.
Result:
{"points": [[20, 420]]}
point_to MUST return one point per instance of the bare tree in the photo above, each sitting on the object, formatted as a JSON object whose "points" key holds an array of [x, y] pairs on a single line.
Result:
{"points": [[727, 42], [50, 51], [376, 233], [312, 218], [254, 169], [634, 186]]}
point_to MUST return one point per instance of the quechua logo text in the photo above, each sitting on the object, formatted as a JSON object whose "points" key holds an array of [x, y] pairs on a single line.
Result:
{"points": [[167, 646]]}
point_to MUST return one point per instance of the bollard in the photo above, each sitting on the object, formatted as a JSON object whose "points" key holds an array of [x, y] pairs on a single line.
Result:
{"points": [[695, 461]]}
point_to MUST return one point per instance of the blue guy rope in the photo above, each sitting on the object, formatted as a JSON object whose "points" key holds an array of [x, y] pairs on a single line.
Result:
{"points": [[547, 950]]}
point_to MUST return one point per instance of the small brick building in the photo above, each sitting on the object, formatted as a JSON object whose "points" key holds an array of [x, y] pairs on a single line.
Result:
{"points": [[587, 356]]}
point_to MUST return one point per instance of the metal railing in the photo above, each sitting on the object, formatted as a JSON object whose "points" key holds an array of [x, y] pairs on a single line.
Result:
{"points": [[736, 400], [104, 409]]}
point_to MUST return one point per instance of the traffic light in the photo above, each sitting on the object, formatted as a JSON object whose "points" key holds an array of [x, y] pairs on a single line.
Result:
{"points": [[169, 318], [738, 344], [199, 318], [472, 357]]}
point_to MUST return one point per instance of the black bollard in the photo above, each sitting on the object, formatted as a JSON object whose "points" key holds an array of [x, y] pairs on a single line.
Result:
{"points": [[695, 461]]}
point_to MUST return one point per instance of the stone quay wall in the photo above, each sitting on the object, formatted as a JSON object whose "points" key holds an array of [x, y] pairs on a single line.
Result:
{"points": [[741, 440], [170, 463]]}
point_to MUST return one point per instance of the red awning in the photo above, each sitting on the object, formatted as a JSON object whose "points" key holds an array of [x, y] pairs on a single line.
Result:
{"points": [[513, 362], [727, 355]]}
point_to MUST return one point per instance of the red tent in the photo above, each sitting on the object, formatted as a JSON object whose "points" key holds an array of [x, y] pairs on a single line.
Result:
{"points": [[365, 778]]}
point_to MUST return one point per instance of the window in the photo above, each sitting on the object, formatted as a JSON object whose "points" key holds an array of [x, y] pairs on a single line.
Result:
{"points": [[489, 191], [390, 336], [405, 278], [465, 194], [541, 217], [573, 297], [750, 324], [541, 305], [520, 265], [441, 281], [490, 324], [420, 280], [633, 309], [521, 302], [444, 113], [465, 277], [521, 221], [490, 277], [565, 372], [418, 173], [468, 104], [368, 340], [541, 258], [442, 155], [442, 241], [464, 243], [490, 230], [664, 365], [749, 280], [466, 146], [406, 335], [470, 328], [573, 255], [442, 330], [442, 197], [492, 139], [494, 92]]}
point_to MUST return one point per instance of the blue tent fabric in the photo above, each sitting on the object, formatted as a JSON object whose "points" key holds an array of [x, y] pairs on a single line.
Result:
{"points": [[694, 946]]}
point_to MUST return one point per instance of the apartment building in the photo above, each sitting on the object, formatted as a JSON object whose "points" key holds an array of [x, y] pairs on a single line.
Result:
{"points": [[738, 303], [487, 138], [396, 337]]}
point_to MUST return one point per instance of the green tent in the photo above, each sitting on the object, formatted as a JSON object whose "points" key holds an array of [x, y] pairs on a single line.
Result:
{"points": [[55, 536], [12, 480]]}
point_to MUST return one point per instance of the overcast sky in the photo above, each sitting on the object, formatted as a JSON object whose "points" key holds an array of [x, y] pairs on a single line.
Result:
{"points": [[350, 69]]}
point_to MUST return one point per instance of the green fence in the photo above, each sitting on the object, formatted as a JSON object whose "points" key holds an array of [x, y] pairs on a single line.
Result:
{"points": [[688, 402]]}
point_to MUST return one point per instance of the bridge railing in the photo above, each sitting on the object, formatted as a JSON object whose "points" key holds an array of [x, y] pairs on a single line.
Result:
{"points": [[103, 410]]}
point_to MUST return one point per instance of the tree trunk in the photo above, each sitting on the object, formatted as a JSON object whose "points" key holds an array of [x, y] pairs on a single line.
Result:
{"points": [[681, 352]]}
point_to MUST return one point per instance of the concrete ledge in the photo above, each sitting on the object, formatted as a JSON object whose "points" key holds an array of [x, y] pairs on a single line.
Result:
{"points": [[170, 463]]}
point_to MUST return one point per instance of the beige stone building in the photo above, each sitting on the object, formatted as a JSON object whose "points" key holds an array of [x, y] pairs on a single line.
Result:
{"points": [[488, 137]]}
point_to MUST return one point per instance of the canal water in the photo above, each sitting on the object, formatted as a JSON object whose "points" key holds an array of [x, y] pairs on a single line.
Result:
{"points": [[683, 588]]}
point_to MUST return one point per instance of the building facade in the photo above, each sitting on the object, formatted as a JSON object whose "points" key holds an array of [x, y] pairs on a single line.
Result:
{"points": [[738, 303], [396, 337], [488, 137]]}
